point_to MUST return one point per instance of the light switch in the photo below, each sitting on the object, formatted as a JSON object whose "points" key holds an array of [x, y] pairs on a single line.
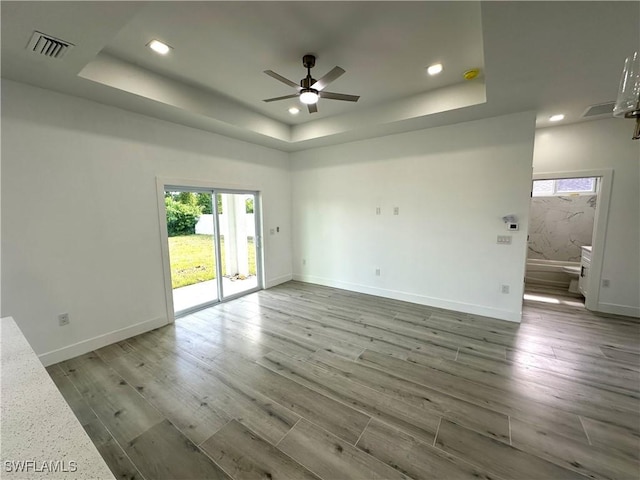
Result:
{"points": [[504, 239]]}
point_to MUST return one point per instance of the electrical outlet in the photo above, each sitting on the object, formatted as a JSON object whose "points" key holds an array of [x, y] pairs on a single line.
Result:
{"points": [[396, 210], [63, 319], [377, 272], [304, 261], [272, 231], [606, 283], [378, 211], [504, 288]]}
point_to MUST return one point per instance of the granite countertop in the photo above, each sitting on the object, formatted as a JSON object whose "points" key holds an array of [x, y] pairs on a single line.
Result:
{"points": [[37, 425]]}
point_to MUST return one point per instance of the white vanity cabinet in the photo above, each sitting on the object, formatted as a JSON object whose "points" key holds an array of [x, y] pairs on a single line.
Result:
{"points": [[585, 266]]}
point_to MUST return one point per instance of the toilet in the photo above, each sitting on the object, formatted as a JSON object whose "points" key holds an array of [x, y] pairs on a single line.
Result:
{"points": [[574, 273]]}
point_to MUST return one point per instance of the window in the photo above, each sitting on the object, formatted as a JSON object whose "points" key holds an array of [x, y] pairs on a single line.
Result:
{"points": [[564, 186], [576, 185], [543, 188]]}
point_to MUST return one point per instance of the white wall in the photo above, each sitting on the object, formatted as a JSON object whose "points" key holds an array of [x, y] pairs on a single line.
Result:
{"points": [[80, 214], [452, 186], [605, 144]]}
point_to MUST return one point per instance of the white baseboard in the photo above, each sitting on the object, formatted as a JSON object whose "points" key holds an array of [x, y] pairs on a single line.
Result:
{"points": [[615, 309], [272, 282], [85, 346], [415, 298]]}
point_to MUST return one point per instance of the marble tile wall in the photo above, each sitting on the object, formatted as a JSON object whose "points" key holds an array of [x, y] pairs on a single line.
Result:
{"points": [[559, 226]]}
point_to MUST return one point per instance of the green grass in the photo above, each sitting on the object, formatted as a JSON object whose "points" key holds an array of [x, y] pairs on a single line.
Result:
{"points": [[192, 259]]}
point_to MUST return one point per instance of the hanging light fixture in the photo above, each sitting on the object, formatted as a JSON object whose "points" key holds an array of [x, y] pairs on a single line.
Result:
{"points": [[628, 103]]}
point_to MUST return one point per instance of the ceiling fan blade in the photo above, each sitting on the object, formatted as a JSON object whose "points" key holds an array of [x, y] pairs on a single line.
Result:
{"points": [[339, 96], [280, 78], [313, 108], [328, 78], [285, 97]]}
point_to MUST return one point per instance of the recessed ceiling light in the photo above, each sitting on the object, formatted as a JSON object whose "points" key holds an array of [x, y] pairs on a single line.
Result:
{"points": [[294, 111], [556, 118], [434, 69], [159, 47]]}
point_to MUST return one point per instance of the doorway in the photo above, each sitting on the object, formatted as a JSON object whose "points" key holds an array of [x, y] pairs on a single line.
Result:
{"points": [[561, 224], [212, 245], [567, 227]]}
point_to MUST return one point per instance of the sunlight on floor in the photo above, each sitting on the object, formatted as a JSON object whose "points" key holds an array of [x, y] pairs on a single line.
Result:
{"points": [[553, 300], [540, 298]]}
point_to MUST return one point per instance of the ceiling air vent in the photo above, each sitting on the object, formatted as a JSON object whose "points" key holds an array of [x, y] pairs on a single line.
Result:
{"points": [[600, 109], [48, 46]]}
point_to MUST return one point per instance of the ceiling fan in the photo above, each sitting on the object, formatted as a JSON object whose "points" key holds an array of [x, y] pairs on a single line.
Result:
{"points": [[310, 89]]}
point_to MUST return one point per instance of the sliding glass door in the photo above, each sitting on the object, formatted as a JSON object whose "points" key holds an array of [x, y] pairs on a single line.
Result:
{"points": [[214, 251]]}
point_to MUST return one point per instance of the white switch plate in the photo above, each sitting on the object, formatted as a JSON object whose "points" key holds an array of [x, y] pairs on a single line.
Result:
{"points": [[504, 239]]}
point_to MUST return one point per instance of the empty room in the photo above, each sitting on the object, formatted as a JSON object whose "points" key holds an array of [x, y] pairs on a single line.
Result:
{"points": [[329, 240]]}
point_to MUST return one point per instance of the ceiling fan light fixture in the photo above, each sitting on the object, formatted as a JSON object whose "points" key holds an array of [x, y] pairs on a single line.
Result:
{"points": [[309, 96], [308, 91]]}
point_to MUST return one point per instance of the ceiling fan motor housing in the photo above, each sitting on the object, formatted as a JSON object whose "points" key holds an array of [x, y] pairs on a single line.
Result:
{"points": [[309, 61]]}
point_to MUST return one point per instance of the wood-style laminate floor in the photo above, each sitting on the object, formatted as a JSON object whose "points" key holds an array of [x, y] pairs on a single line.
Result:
{"points": [[302, 381]]}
